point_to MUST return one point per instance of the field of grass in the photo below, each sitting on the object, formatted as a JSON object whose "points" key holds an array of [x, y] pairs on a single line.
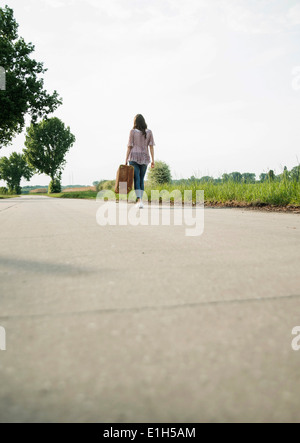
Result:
{"points": [[73, 194], [81, 189], [43, 191]]}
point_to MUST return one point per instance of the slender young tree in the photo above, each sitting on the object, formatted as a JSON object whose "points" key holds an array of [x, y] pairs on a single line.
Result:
{"points": [[13, 169], [24, 92], [47, 144]]}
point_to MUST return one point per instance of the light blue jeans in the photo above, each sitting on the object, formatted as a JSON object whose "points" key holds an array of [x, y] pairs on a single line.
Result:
{"points": [[139, 176]]}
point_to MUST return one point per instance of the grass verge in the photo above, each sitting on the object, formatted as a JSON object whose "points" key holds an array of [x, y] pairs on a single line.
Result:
{"points": [[77, 195], [8, 196]]}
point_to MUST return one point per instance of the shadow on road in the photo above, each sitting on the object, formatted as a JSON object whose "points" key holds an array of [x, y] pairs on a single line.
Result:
{"points": [[43, 267]]}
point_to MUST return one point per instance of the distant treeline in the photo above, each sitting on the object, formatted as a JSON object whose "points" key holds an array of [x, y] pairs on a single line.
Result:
{"points": [[246, 177]]}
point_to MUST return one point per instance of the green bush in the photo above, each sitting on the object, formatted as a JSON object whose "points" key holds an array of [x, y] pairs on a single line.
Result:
{"points": [[3, 191], [54, 187], [16, 190], [160, 174]]}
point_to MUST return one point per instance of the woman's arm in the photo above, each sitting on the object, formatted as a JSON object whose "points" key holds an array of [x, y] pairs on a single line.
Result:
{"points": [[127, 154], [129, 145], [152, 156]]}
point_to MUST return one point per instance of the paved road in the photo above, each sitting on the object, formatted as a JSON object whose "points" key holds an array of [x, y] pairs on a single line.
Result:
{"points": [[145, 324]]}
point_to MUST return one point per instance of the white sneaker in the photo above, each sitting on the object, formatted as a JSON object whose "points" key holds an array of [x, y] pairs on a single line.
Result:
{"points": [[139, 205]]}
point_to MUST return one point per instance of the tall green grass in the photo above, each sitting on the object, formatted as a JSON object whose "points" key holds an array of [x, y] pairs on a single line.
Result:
{"points": [[77, 194], [270, 193]]}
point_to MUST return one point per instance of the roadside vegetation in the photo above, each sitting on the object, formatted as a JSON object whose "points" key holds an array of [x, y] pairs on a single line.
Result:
{"points": [[256, 194], [234, 189]]}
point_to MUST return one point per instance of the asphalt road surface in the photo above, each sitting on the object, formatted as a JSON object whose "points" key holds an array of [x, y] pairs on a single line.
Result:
{"points": [[144, 323]]}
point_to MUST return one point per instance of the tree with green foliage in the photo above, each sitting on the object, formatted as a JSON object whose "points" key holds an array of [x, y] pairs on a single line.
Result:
{"points": [[24, 93], [263, 177], [248, 177], [295, 174], [47, 144], [13, 169], [160, 174], [54, 186], [206, 179], [235, 177]]}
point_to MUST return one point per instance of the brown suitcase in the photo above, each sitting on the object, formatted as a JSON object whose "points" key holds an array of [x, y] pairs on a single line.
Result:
{"points": [[125, 175]]}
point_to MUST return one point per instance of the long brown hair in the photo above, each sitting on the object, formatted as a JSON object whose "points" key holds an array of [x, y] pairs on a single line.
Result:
{"points": [[139, 123]]}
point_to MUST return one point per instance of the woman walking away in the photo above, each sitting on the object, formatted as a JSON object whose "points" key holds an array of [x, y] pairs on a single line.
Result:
{"points": [[140, 139]]}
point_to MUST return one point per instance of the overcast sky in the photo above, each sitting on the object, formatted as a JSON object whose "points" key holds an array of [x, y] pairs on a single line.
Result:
{"points": [[215, 79]]}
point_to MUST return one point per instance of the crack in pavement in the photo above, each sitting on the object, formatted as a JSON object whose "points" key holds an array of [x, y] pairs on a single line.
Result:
{"points": [[149, 308], [5, 209]]}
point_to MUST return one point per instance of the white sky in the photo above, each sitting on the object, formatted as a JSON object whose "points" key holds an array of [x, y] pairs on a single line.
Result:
{"points": [[213, 78]]}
